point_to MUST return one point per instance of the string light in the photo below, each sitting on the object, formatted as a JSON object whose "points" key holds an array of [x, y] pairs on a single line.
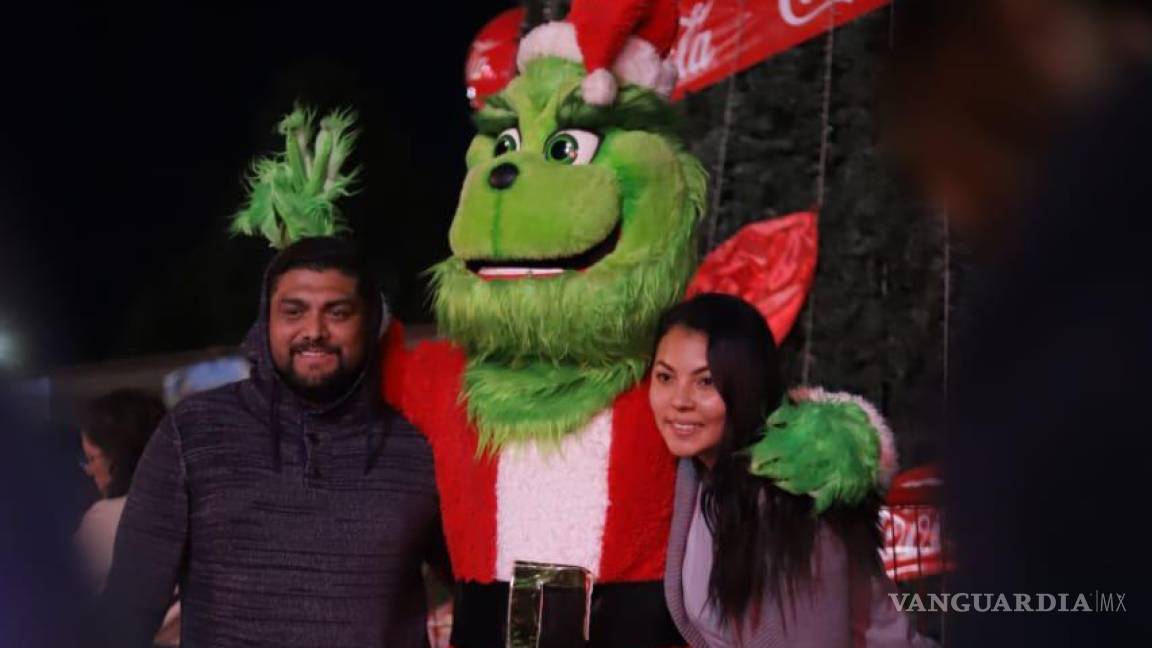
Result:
{"points": [[725, 132], [821, 187]]}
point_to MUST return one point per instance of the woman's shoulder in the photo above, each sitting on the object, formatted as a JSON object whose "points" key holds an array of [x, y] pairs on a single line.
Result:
{"points": [[103, 514], [95, 537]]}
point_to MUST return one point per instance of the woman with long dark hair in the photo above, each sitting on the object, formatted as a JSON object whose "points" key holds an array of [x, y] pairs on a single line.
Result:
{"points": [[750, 564]]}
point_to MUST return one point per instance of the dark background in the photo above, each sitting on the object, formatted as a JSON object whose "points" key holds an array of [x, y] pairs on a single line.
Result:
{"points": [[126, 135]]}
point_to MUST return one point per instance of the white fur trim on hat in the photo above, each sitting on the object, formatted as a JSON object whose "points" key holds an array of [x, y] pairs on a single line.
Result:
{"points": [[888, 459], [638, 62], [666, 82], [550, 39], [599, 88]]}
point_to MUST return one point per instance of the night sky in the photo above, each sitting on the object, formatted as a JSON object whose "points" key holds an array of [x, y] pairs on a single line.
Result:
{"points": [[126, 135]]}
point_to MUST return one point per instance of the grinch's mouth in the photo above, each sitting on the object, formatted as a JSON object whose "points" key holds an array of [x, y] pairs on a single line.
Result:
{"points": [[528, 268]]}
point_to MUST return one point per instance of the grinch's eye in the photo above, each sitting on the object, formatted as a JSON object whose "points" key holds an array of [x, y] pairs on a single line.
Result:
{"points": [[508, 140], [572, 146]]}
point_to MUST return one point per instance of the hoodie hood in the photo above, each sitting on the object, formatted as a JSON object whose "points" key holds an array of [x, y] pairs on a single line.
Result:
{"points": [[360, 404]]}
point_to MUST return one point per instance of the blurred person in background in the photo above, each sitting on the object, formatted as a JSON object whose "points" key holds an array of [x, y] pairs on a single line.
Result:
{"points": [[114, 430], [1029, 124], [985, 97]]}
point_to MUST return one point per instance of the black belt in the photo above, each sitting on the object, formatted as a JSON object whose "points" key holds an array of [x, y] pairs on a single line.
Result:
{"points": [[631, 615]]}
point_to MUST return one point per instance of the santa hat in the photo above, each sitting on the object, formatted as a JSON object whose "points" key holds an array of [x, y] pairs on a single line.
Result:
{"points": [[625, 40]]}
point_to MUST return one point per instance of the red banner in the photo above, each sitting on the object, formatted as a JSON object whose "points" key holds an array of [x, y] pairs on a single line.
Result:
{"points": [[721, 37], [910, 523], [912, 546], [492, 57], [717, 39]]}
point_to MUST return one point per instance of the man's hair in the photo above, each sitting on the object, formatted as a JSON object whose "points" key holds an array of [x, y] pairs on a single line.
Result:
{"points": [[319, 254], [120, 424]]}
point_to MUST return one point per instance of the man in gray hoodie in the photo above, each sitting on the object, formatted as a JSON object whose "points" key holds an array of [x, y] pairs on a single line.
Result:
{"points": [[292, 508]]}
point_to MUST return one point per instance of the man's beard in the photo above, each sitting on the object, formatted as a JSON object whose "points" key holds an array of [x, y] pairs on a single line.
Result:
{"points": [[319, 389]]}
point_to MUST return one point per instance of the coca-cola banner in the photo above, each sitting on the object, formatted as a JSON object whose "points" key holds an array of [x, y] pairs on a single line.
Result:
{"points": [[721, 37], [717, 38], [912, 547], [910, 523]]}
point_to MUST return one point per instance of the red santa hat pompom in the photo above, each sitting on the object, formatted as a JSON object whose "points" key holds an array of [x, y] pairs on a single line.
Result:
{"points": [[625, 40]]}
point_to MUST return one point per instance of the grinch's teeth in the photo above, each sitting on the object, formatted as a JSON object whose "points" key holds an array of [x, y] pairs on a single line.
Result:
{"points": [[519, 272]]}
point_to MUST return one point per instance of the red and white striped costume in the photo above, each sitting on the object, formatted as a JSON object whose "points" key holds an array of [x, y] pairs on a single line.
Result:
{"points": [[602, 500]]}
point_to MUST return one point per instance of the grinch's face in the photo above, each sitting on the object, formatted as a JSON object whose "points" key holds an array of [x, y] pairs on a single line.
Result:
{"points": [[574, 228]]}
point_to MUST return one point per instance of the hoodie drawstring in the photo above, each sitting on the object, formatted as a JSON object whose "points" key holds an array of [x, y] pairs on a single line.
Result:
{"points": [[377, 433], [274, 424]]}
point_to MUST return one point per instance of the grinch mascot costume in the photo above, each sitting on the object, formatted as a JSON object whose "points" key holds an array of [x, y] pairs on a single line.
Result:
{"points": [[575, 230]]}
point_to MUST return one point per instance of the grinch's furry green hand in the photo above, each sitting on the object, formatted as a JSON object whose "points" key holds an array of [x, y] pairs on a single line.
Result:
{"points": [[834, 447], [292, 195]]}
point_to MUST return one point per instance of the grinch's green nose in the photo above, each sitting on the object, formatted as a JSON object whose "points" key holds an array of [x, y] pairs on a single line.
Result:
{"points": [[503, 176]]}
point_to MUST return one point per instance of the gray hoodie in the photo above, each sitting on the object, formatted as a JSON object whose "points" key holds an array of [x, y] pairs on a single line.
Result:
{"points": [[282, 524]]}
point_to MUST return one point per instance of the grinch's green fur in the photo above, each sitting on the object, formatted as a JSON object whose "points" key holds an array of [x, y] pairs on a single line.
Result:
{"points": [[827, 450], [581, 205], [541, 400], [292, 195], [546, 354]]}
